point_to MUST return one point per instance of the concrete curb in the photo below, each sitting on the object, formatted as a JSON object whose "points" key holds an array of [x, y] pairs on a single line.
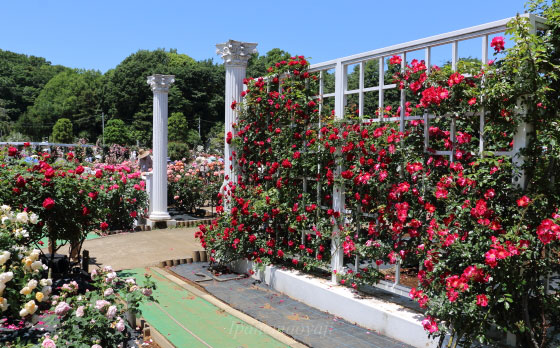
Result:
{"points": [[232, 311]]}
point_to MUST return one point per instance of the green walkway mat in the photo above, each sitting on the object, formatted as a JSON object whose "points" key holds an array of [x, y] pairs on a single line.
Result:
{"points": [[89, 236], [190, 321]]}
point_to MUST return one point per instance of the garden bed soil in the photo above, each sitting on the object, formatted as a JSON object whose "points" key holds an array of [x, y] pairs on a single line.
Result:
{"points": [[409, 276]]}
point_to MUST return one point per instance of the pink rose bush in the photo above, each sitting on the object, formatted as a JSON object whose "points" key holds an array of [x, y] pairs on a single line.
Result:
{"points": [[195, 184], [96, 317]]}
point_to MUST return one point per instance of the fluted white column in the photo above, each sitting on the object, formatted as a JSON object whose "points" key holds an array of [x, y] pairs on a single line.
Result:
{"points": [[160, 87], [236, 55]]}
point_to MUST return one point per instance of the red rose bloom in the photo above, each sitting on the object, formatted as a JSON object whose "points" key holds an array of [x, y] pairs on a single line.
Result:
{"points": [[12, 151], [48, 203], [523, 201], [498, 43], [104, 226]]}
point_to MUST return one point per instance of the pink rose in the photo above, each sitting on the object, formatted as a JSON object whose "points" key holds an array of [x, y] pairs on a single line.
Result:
{"points": [[62, 308], [111, 312], [48, 343]]}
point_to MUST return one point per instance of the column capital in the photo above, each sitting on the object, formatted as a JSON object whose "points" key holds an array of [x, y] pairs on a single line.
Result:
{"points": [[160, 83], [236, 53]]}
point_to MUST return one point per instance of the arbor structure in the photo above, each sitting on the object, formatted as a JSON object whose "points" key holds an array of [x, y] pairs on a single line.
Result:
{"points": [[452, 178]]}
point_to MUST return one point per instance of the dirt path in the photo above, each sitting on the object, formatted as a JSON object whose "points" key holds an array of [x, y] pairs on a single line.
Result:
{"points": [[142, 249]]}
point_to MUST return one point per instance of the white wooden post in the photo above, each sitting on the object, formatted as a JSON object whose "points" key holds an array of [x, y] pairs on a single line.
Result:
{"points": [[160, 86], [235, 54], [337, 255]]}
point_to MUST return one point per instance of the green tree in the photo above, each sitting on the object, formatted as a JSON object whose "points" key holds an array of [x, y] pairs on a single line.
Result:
{"points": [[21, 79], [198, 91], [193, 138], [215, 139], [178, 127], [117, 132], [62, 131], [72, 94], [257, 65]]}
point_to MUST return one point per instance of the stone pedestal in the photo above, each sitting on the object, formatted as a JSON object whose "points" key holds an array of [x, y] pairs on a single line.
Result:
{"points": [[236, 55], [160, 87]]}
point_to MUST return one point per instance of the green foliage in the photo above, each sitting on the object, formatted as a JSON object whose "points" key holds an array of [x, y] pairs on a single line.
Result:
{"points": [[258, 65], [117, 132], [72, 94], [215, 139], [63, 131], [197, 91], [177, 151], [193, 138], [178, 127], [21, 79]]}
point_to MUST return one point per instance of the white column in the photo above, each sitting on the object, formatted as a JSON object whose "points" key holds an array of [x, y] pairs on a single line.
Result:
{"points": [[236, 55], [160, 86]]}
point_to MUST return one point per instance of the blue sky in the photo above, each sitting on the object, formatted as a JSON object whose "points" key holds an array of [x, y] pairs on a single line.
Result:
{"points": [[100, 34]]}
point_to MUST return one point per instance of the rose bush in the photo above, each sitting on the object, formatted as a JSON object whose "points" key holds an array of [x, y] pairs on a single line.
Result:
{"points": [[484, 243], [23, 282], [89, 199], [98, 317], [195, 185]]}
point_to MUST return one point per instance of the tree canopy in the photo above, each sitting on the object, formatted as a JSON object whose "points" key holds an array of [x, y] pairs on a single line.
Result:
{"points": [[34, 95]]}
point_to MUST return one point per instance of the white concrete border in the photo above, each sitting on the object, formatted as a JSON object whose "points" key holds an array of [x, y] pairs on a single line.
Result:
{"points": [[384, 317]]}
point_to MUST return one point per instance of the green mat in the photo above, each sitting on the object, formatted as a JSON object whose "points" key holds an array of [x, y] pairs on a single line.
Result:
{"points": [[89, 236], [190, 321]]}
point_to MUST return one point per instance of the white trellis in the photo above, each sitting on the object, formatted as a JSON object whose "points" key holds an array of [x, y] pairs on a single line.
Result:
{"points": [[342, 92]]}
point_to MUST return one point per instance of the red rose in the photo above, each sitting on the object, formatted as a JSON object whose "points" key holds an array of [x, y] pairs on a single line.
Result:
{"points": [[133, 214], [69, 156], [523, 201], [48, 203], [98, 174], [49, 173], [12, 151], [20, 181], [79, 170], [85, 211], [92, 195], [481, 300], [498, 43], [104, 226], [26, 144]]}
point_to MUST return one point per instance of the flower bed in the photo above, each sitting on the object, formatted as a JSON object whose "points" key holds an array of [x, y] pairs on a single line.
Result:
{"points": [[88, 313], [485, 245]]}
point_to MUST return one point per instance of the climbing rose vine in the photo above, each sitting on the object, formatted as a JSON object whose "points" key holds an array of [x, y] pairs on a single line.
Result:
{"points": [[484, 245]]}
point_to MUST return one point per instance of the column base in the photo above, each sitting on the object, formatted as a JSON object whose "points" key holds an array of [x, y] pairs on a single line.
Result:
{"points": [[160, 224], [159, 216]]}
